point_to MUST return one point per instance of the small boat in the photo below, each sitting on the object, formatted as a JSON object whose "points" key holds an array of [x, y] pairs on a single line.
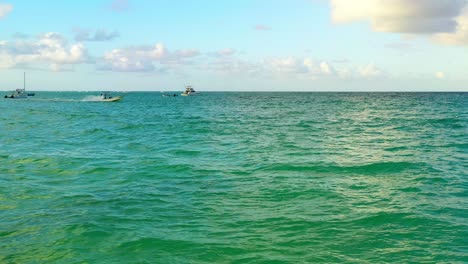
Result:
{"points": [[189, 91], [169, 95], [19, 93], [106, 97]]}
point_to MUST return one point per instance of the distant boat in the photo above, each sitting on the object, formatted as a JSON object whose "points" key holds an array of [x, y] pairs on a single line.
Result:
{"points": [[107, 97], [17, 94], [189, 91], [20, 93]]}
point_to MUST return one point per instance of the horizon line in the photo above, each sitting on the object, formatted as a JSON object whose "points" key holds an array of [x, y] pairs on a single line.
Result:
{"points": [[253, 91]]}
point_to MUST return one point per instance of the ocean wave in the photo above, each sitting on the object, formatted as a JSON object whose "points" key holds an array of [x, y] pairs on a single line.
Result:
{"points": [[372, 168], [234, 178]]}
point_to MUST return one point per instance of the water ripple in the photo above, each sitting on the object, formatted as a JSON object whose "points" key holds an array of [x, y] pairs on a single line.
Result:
{"points": [[235, 178]]}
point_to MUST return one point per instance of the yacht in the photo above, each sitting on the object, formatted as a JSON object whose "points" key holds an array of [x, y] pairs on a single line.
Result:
{"points": [[189, 91]]}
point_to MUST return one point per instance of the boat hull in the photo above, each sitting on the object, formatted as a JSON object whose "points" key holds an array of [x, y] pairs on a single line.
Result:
{"points": [[15, 97], [190, 94], [113, 99]]}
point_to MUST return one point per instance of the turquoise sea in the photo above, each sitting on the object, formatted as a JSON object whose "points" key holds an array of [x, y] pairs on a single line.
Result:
{"points": [[235, 178]]}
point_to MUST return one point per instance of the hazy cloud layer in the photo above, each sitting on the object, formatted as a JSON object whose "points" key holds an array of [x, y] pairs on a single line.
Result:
{"points": [[53, 50], [144, 58], [291, 67], [19, 35], [226, 61], [402, 16], [48, 48], [400, 46], [262, 27], [227, 52], [229, 62], [308, 67], [99, 35], [119, 5], [5, 9]]}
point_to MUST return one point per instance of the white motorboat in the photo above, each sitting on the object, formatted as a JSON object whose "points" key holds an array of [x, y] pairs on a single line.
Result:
{"points": [[189, 91], [107, 97]]}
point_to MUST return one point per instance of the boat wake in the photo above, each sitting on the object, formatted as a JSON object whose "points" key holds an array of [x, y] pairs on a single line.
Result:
{"points": [[53, 100], [92, 98], [86, 99]]}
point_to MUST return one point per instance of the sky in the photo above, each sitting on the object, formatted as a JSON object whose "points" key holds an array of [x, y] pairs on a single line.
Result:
{"points": [[242, 45]]}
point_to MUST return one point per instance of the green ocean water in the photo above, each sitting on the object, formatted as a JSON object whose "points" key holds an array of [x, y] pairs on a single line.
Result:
{"points": [[235, 178]]}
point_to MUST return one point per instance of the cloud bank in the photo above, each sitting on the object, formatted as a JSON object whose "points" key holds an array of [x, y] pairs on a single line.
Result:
{"points": [[291, 67], [144, 58], [53, 50], [445, 20], [403, 16], [460, 36], [308, 67], [48, 48]]}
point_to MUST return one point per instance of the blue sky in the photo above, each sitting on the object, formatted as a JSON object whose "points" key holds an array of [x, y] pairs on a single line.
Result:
{"points": [[255, 45]]}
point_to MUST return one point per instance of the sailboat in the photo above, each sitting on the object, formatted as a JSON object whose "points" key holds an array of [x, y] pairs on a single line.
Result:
{"points": [[20, 93]]}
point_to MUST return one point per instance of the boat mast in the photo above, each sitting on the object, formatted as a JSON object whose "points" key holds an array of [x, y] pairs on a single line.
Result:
{"points": [[24, 81]]}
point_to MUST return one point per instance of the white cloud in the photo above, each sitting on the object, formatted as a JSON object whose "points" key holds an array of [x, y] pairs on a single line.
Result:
{"points": [[229, 61], [370, 71], [325, 68], [294, 67], [460, 36], [304, 66], [5, 9], [401, 16], [144, 58], [440, 75], [132, 59], [287, 65], [49, 48], [125, 64], [186, 53], [226, 52], [445, 20], [291, 67]]}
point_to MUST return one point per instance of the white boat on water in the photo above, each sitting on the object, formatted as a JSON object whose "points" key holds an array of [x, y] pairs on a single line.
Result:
{"points": [[189, 91], [107, 97], [20, 93], [17, 94]]}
